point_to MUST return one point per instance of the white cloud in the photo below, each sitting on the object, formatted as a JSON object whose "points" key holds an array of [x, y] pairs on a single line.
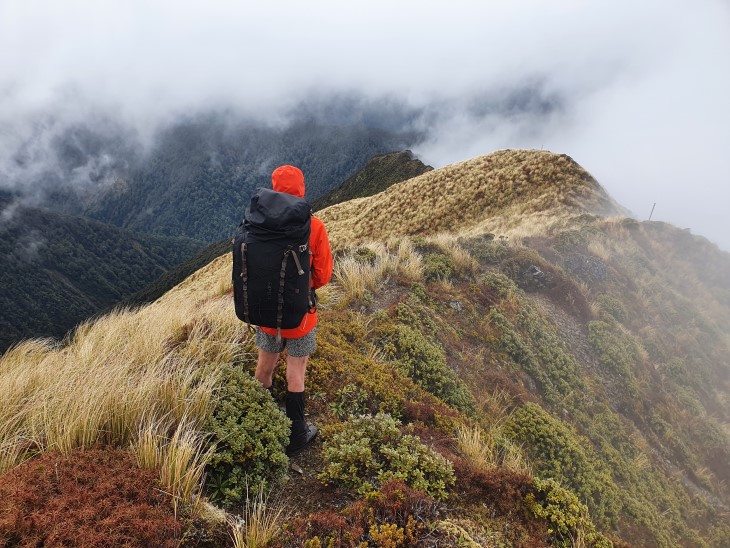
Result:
{"points": [[640, 89]]}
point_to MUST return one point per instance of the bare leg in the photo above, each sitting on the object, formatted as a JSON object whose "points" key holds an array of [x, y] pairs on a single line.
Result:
{"points": [[265, 368], [296, 367]]}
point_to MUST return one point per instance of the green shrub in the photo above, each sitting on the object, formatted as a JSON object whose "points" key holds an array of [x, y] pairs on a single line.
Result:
{"points": [[616, 350], [437, 266], [424, 361], [350, 400], [250, 433], [486, 249], [611, 306], [418, 294], [419, 317], [370, 450], [499, 283], [567, 517], [534, 345], [558, 452], [365, 255]]}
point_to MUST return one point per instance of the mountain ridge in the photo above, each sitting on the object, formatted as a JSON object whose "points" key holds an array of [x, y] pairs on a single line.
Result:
{"points": [[569, 363], [511, 185], [379, 173]]}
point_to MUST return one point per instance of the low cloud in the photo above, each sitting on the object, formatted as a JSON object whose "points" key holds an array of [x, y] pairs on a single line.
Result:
{"points": [[636, 93]]}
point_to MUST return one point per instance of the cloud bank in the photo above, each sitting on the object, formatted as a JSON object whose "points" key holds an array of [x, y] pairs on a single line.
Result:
{"points": [[635, 92]]}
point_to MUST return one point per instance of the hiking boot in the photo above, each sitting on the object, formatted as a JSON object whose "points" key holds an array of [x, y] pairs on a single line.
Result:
{"points": [[302, 435]]}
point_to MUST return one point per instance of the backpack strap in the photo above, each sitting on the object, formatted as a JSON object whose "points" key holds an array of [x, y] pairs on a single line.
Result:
{"points": [[244, 277], [282, 279], [280, 304]]}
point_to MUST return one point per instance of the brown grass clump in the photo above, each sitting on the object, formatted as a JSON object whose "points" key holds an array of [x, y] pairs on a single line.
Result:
{"points": [[92, 497]]}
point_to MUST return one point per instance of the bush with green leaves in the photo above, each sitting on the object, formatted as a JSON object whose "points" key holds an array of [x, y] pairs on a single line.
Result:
{"points": [[557, 451], [617, 350], [250, 433], [610, 306], [369, 450], [424, 361], [567, 517], [530, 342], [486, 249], [438, 266], [350, 400], [500, 283]]}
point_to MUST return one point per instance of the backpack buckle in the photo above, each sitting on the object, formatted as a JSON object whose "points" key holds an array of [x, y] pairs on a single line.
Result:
{"points": [[303, 248]]}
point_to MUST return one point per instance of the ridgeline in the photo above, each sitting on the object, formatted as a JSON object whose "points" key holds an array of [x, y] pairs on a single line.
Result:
{"points": [[504, 358]]}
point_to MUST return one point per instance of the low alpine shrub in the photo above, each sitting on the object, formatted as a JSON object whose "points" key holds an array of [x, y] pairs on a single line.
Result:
{"points": [[557, 451], [566, 515], [370, 450], [423, 361], [250, 433], [438, 266]]}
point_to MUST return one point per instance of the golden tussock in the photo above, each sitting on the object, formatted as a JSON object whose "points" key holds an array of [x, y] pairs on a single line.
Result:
{"points": [[500, 190]]}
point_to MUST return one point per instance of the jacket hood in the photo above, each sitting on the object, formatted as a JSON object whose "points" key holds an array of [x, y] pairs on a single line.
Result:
{"points": [[288, 179]]}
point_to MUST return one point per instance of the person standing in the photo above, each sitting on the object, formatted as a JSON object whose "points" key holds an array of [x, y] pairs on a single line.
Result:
{"points": [[300, 341]]}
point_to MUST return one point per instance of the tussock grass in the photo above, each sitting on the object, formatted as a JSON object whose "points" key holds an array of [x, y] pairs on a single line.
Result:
{"points": [[410, 265], [260, 523], [479, 451], [355, 277], [485, 447], [463, 261], [181, 458], [490, 450], [509, 189], [130, 378]]}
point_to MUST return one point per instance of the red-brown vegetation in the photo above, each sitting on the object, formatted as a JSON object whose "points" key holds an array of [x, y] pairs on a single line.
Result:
{"points": [[503, 491], [92, 497], [394, 504]]}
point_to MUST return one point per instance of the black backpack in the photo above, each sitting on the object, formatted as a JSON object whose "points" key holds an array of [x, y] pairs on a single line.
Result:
{"points": [[271, 271]]}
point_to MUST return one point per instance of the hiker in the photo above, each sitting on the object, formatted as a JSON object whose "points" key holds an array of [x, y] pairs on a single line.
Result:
{"points": [[299, 341]]}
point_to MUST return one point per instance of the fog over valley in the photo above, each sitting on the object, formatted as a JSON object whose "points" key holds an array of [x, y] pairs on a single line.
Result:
{"points": [[636, 93]]}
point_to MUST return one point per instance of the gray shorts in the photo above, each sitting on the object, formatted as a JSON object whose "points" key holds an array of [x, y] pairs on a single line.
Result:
{"points": [[303, 346]]}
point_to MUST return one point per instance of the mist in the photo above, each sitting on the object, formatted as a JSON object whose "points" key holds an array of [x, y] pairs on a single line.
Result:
{"points": [[636, 93]]}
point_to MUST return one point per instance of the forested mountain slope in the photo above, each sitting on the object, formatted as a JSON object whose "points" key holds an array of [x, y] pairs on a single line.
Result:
{"points": [[200, 174], [58, 270], [378, 174], [498, 363]]}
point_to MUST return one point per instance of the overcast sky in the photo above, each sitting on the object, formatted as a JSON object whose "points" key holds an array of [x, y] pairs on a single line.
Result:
{"points": [[636, 92]]}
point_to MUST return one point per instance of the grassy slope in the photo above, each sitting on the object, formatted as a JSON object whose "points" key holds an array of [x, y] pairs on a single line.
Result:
{"points": [[503, 192], [610, 372]]}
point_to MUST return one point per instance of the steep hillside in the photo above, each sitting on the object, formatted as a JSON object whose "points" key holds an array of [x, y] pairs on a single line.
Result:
{"points": [[58, 270], [481, 381], [380, 173]]}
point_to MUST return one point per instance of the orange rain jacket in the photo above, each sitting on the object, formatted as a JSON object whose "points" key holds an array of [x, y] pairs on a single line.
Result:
{"points": [[290, 179]]}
